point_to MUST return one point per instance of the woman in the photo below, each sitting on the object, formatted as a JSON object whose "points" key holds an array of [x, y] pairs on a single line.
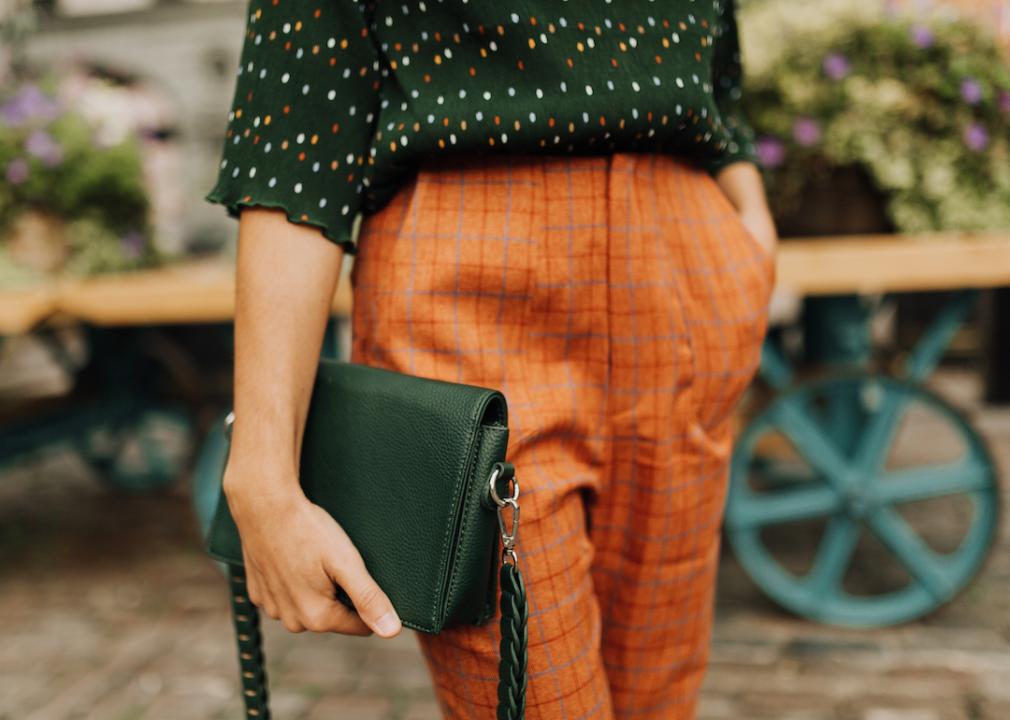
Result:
{"points": [[561, 202]]}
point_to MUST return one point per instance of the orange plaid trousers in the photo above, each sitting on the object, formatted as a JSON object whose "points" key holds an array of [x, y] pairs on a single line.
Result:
{"points": [[620, 304]]}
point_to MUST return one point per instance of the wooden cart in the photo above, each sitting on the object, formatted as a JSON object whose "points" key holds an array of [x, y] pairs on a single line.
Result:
{"points": [[818, 464], [817, 450], [127, 415]]}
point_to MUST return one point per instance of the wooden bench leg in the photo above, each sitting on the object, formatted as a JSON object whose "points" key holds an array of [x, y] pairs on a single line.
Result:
{"points": [[997, 332]]}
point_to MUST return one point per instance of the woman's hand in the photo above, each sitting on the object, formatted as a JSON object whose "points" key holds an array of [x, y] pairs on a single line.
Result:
{"points": [[760, 224], [294, 552], [741, 182]]}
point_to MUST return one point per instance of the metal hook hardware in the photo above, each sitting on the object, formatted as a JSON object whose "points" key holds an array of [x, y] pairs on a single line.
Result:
{"points": [[509, 529]]}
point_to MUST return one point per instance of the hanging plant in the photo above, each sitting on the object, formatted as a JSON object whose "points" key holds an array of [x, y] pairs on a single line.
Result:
{"points": [[72, 199], [916, 109]]}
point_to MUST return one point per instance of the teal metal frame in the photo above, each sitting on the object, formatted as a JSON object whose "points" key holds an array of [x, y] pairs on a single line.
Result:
{"points": [[113, 418], [842, 426]]}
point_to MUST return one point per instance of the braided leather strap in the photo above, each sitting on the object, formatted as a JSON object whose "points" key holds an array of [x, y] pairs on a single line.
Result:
{"points": [[250, 647], [512, 665], [511, 668]]}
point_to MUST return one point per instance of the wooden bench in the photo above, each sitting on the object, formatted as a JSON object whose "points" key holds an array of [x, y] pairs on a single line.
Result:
{"points": [[203, 291], [185, 293], [866, 264]]}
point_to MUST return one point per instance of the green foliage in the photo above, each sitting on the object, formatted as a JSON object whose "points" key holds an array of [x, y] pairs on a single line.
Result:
{"points": [[53, 164], [922, 106], [96, 249], [102, 182]]}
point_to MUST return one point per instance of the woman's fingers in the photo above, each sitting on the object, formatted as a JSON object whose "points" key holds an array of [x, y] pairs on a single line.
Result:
{"points": [[333, 616], [252, 589], [255, 588], [310, 606], [347, 569], [291, 576], [261, 594]]}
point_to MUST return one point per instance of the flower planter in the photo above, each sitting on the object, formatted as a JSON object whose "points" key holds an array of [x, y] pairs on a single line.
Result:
{"points": [[841, 202], [37, 241]]}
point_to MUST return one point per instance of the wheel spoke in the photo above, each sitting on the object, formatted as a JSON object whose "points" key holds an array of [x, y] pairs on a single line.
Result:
{"points": [[771, 474], [910, 549], [930, 481], [841, 414], [879, 432], [772, 508], [833, 557], [811, 442]]}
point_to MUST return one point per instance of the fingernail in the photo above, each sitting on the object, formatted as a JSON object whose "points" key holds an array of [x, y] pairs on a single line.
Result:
{"points": [[388, 624]]}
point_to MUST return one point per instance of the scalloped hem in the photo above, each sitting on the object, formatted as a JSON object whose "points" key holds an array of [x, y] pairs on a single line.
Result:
{"points": [[346, 238]]}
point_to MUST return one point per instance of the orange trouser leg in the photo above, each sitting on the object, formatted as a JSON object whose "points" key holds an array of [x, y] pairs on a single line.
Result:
{"points": [[689, 290], [618, 304]]}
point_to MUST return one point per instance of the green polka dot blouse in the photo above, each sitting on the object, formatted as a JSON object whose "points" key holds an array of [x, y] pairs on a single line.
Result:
{"points": [[336, 102]]}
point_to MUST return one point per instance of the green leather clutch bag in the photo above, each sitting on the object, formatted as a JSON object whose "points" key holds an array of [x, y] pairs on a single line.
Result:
{"points": [[414, 470]]}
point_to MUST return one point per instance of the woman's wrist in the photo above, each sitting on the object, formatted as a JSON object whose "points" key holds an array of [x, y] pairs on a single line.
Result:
{"points": [[742, 184], [267, 431], [264, 463], [258, 503], [750, 204]]}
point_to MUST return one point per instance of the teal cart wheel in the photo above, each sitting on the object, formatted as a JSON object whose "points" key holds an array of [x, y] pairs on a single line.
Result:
{"points": [[140, 452], [862, 500], [207, 474]]}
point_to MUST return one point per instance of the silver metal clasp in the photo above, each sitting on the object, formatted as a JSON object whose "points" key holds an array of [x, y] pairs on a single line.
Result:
{"points": [[509, 528]]}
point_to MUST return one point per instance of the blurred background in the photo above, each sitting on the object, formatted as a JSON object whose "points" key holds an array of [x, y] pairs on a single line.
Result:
{"points": [[865, 575]]}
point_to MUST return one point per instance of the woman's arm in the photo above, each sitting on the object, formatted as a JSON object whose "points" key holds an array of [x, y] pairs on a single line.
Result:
{"points": [[735, 168], [293, 550], [742, 184]]}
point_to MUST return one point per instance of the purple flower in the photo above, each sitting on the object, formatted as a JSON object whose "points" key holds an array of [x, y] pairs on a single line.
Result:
{"points": [[971, 90], [17, 171], [976, 137], [771, 151], [806, 131], [922, 36], [133, 244], [29, 103], [42, 145], [836, 65], [1004, 101]]}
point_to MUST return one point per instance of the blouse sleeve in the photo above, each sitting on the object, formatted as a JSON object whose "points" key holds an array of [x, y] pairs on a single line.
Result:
{"points": [[727, 77], [302, 116]]}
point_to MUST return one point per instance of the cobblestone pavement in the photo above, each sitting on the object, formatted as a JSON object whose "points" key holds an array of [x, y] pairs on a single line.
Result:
{"points": [[109, 610]]}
